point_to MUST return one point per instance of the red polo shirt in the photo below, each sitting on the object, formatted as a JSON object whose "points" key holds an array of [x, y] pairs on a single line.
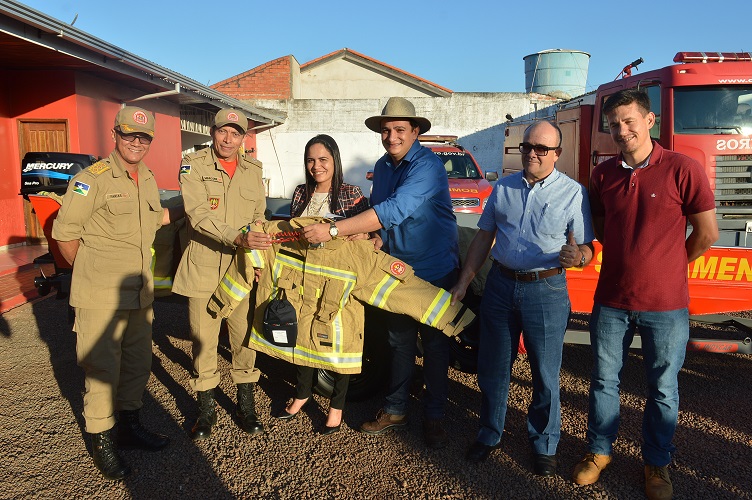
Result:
{"points": [[644, 264]]}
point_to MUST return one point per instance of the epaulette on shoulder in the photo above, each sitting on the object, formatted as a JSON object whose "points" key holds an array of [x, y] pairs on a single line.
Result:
{"points": [[98, 168], [253, 161]]}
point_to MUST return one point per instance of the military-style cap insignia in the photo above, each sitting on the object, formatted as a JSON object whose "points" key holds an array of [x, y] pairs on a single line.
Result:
{"points": [[398, 268], [140, 117], [213, 203], [185, 169], [81, 188]]}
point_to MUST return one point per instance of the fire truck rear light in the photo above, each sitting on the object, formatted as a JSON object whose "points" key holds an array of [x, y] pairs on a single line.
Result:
{"points": [[706, 57]]}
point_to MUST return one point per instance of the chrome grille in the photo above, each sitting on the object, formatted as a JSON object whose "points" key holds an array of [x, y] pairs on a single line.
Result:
{"points": [[465, 202]]}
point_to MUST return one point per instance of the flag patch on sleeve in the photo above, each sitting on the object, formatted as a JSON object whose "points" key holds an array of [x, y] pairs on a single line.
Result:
{"points": [[185, 169], [81, 188]]}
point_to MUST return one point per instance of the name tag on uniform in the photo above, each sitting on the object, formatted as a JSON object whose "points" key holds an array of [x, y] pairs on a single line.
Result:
{"points": [[211, 178], [115, 196]]}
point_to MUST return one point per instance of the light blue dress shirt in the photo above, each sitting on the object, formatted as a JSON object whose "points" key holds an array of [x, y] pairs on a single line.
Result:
{"points": [[532, 222]]}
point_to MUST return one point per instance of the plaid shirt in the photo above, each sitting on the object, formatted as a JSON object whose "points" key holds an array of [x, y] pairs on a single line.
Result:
{"points": [[351, 201]]}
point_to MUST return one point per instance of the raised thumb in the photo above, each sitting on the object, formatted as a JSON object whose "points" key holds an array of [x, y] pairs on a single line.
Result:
{"points": [[570, 239]]}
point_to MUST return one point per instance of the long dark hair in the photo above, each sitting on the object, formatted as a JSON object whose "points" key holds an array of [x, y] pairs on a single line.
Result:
{"points": [[337, 179]]}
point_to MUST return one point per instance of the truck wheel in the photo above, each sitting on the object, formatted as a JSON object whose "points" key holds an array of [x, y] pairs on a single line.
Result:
{"points": [[374, 374]]}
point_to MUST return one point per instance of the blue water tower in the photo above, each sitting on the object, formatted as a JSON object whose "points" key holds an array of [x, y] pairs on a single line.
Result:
{"points": [[558, 72]]}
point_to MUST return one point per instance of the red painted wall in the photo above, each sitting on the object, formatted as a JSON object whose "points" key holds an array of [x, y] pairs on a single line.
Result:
{"points": [[89, 106]]}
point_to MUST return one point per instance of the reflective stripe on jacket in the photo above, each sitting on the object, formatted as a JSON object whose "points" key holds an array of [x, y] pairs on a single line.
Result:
{"points": [[328, 287]]}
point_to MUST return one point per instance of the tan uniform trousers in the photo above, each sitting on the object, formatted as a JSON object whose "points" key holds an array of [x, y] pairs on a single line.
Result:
{"points": [[114, 350], [205, 337]]}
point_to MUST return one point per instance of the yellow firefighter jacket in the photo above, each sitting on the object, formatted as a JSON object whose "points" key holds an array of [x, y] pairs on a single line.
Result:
{"points": [[327, 287]]}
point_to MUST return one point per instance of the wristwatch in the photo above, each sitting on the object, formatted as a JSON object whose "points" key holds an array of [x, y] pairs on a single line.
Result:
{"points": [[582, 261], [333, 231]]}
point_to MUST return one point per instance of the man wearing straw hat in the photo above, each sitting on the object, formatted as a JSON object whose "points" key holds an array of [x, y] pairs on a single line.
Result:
{"points": [[411, 219]]}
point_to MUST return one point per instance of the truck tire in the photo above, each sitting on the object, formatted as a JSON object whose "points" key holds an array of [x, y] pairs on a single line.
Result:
{"points": [[374, 374]]}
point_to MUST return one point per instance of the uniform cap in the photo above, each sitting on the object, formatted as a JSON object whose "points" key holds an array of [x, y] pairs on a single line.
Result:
{"points": [[396, 108], [131, 120], [229, 116]]}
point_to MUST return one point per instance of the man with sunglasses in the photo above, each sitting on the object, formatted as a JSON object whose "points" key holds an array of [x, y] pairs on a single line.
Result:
{"points": [[540, 221], [105, 229], [223, 193]]}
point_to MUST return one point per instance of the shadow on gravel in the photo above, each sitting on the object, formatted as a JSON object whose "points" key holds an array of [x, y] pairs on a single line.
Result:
{"points": [[165, 474]]}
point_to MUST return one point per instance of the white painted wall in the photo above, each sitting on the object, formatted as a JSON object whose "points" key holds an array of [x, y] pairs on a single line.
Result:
{"points": [[347, 80], [477, 118]]}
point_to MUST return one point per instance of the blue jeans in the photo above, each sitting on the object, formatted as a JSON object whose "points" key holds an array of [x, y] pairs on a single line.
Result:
{"points": [[403, 338], [664, 344], [540, 309]]}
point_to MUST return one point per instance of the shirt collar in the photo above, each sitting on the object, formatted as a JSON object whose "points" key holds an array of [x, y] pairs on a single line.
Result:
{"points": [[550, 178], [119, 170], [655, 154]]}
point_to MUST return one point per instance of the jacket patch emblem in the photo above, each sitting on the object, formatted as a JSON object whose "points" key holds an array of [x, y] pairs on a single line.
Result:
{"points": [[213, 203], [81, 188], [98, 168], [398, 268], [115, 196], [185, 169]]}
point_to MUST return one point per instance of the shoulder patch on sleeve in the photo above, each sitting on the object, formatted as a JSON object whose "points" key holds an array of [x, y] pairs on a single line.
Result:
{"points": [[98, 168], [185, 169], [81, 188], [397, 268]]}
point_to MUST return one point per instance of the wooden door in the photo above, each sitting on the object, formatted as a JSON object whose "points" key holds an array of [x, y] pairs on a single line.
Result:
{"points": [[40, 136]]}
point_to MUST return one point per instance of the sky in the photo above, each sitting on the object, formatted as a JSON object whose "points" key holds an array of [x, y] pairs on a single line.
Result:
{"points": [[466, 46]]}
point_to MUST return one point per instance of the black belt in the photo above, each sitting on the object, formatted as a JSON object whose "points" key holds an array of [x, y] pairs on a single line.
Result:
{"points": [[527, 275]]}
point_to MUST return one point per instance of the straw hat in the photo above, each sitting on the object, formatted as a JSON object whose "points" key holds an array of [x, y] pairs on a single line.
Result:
{"points": [[396, 108]]}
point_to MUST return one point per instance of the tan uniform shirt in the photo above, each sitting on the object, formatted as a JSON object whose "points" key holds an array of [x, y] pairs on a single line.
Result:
{"points": [[115, 222], [216, 207], [327, 287]]}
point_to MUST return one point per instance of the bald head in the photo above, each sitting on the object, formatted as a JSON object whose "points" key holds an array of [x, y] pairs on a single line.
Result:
{"points": [[542, 141]]}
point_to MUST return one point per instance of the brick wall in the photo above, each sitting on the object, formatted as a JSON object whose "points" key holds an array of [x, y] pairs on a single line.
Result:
{"points": [[271, 80]]}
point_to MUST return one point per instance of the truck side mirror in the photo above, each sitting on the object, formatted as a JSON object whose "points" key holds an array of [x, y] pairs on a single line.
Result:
{"points": [[492, 176]]}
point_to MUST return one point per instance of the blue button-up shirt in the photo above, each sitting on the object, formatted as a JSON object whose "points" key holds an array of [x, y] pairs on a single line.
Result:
{"points": [[412, 202], [532, 222]]}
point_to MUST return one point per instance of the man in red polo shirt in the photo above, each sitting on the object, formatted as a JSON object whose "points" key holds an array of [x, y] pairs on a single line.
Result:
{"points": [[641, 201]]}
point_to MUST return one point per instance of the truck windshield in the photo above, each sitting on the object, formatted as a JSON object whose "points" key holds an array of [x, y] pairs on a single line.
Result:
{"points": [[458, 165], [713, 110]]}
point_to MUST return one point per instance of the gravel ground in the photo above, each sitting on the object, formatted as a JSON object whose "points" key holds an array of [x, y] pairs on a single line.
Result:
{"points": [[43, 455]]}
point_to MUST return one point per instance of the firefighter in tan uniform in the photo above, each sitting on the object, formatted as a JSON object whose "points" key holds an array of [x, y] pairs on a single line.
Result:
{"points": [[223, 192], [105, 229]]}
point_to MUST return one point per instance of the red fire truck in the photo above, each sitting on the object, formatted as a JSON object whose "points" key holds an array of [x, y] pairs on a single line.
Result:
{"points": [[702, 106]]}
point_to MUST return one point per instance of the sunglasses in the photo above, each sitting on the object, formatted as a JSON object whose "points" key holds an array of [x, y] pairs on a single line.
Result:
{"points": [[143, 139], [526, 147]]}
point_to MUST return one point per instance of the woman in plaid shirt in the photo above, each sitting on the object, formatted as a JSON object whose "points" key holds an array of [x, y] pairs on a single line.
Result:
{"points": [[324, 194], [325, 191]]}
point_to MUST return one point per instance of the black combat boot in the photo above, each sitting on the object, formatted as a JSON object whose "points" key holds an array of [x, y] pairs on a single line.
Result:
{"points": [[207, 415], [131, 434], [106, 458], [249, 421]]}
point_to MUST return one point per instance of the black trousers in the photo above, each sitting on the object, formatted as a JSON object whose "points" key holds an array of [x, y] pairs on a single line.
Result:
{"points": [[304, 386]]}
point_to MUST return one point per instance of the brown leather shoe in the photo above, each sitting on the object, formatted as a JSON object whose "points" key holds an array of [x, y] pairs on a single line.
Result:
{"points": [[589, 469], [384, 422], [434, 434], [657, 483]]}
